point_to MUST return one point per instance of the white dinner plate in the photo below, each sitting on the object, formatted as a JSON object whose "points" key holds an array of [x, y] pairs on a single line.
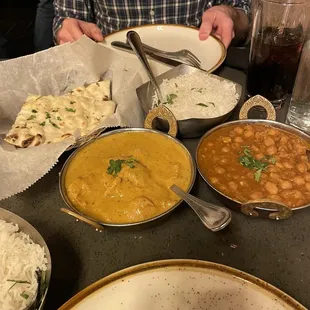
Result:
{"points": [[183, 285], [211, 52]]}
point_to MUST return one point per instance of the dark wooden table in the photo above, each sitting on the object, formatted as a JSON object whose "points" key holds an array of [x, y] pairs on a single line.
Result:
{"points": [[277, 252]]}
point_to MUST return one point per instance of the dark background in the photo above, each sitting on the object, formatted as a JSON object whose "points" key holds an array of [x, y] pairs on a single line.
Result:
{"points": [[16, 26]]}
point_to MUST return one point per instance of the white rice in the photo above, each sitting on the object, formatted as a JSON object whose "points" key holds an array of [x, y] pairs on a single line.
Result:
{"points": [[198, 95], [20, 257]]}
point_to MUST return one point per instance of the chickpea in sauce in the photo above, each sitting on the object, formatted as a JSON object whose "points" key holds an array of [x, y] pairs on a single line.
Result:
{"points": [[254, 161]]}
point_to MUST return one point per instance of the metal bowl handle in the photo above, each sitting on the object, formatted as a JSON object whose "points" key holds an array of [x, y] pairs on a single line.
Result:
{"points": [[258, 101], [164, 113], [280, 211], [79, 217]]}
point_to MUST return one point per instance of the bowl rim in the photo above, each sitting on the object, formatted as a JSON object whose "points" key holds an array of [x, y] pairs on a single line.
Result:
{"points": [[276, 124], [114, 132]]}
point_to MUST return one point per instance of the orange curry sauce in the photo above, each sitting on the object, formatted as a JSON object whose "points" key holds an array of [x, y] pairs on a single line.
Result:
{"points": [[229, 158]]}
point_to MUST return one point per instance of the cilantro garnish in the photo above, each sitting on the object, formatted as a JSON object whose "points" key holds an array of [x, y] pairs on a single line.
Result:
{"points": [[170, 98], [115, 166], [247, 160]]}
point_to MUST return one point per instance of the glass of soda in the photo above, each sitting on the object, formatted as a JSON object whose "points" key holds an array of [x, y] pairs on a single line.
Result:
{"points": [[278, 34]]}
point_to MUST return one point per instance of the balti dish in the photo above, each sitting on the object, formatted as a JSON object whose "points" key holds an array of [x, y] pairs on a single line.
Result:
{"points": [[250, 162], [126, 177]]}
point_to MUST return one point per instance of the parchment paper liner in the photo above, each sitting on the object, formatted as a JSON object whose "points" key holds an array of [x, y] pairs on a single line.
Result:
{"points": [[55, 72]]}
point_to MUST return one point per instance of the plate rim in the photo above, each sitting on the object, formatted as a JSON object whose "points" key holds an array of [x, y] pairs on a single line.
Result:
{"points": [[223, 49], [179, 263]]}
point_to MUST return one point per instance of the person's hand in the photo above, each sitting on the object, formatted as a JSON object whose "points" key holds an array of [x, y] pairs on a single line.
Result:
{"points": [[72, 29], [218, 20]]}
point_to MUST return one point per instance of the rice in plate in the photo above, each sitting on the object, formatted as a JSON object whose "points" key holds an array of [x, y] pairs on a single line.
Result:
{"points": [[21, 260], [198, 95]]}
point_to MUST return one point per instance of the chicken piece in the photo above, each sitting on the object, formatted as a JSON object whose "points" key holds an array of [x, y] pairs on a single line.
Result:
{"points": [[140, 208]]}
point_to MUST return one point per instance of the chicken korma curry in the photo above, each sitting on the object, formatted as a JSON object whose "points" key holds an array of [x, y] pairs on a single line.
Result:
{"points": [[251, 162], [126, 177]]}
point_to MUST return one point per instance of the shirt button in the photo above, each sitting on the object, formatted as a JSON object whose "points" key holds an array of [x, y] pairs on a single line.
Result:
{"points": [[152, 13]]}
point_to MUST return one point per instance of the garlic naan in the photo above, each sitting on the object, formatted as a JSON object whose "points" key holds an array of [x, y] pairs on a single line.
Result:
{"points": [[49, 119]]}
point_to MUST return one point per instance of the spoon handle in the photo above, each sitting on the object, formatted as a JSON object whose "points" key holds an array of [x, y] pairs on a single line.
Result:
{"points": [[135, 42], [214, 217]]}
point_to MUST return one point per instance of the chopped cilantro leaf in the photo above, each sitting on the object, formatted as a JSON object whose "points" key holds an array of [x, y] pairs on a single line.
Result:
{"points": [[24, 295], [53, 124], [31, 117], [247, 160], [202, 104]]}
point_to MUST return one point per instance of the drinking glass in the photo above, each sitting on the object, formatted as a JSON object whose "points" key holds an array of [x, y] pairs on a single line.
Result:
{"points": [[299, 110], [278, 33]]}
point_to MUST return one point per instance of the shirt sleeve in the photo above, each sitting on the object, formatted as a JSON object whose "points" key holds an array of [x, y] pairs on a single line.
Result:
{"points": [[244, 5], [79, 9]]}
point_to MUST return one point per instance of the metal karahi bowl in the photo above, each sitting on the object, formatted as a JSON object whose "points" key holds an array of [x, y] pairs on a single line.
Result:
{"points": [[161, 111], [28, 229], [269, 209], [188, 128]]}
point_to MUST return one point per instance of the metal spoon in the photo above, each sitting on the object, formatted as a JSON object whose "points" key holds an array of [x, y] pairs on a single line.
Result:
{"points": [[214, 217], [135, 42]]}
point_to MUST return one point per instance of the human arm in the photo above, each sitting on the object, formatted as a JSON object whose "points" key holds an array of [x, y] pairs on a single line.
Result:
{"points": [[227, 20], [73, 18]]}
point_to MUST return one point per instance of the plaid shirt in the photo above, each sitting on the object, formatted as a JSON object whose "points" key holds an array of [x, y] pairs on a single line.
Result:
{"points": [[113, 15]]}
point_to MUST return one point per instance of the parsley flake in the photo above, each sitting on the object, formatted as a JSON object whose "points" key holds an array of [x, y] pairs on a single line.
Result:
{"points": [[47, 115], [70, 110], [34, 111]]}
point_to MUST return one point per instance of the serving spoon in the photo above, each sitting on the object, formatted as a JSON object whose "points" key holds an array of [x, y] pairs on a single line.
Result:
{"points": [[135, 42], [214, 217]]}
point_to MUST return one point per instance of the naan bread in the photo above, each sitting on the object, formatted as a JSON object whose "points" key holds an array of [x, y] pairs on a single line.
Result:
{"points": [[99, 91], [49, 119]]}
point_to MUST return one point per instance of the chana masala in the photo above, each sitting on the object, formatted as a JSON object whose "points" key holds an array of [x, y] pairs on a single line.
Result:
{"points": [[253, 161]]}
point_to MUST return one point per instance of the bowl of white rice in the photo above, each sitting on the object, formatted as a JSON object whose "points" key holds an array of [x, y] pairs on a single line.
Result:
{"points": [[25, 264], [198, 100]]}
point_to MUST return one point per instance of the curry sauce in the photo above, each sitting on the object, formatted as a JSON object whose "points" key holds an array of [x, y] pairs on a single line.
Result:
{"points": [[126, 177], [252, 162]]}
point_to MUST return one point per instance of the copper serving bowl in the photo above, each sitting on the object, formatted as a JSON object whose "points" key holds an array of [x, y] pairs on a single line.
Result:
{"points": [[259, 208]]}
